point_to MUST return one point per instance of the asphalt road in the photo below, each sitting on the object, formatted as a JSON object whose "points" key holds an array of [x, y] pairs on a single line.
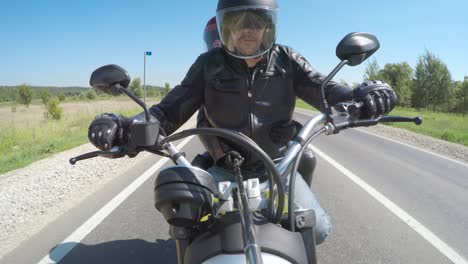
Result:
{"points": [[430, 189]]}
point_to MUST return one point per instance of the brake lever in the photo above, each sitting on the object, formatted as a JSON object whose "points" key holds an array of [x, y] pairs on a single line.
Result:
{"points": [[383, 119], [416, 120], [116, 152]]}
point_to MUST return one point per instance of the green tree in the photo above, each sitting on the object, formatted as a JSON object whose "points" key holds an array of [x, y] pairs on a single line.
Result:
{"points": [[54, 111], [464, 97], [400, 77], [372, 71], [432, 82], [25, 94], [167, 88], [61, 97], [135, 87], [45, 96], [460, 96], [91, 94]]}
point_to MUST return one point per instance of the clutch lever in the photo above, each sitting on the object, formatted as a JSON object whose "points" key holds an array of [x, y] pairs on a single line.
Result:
{"points": [[115, 152]]}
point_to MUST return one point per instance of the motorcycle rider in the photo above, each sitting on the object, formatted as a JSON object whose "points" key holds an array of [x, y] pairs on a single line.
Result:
{"points": [[250, 86], [204, 160]]}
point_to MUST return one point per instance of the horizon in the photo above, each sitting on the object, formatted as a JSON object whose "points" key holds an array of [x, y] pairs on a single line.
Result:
{"points": [[53, 43]]}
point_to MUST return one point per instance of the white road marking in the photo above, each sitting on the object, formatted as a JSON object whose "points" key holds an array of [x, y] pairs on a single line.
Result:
{"points": [[400, 213], [71, 241]]}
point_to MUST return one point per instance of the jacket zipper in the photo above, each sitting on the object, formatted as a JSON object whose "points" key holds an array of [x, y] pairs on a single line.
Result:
{"points": [[250, 95]]}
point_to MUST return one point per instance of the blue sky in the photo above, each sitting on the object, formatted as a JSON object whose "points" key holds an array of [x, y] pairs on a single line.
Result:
{"points": [[59, 43]]}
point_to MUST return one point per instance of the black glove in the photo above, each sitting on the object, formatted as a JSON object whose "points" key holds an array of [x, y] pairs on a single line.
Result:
{"points": [[108, 130], [378, 98], [227, 161], [284, 132]]}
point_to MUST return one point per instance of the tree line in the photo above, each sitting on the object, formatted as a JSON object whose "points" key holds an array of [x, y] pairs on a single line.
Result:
{"points": [[428, 86], [52, 96], [24, 93]]}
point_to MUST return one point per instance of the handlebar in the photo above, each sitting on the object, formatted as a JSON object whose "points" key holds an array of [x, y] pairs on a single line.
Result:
{"points": [[348, 114]]}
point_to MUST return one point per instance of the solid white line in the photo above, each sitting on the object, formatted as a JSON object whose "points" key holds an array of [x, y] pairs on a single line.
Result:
{"points": [[414, 147], [71, 241], [400, 213]]}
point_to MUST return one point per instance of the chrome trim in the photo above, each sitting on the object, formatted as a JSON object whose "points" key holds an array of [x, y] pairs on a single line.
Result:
{"points": [[172, 150]]}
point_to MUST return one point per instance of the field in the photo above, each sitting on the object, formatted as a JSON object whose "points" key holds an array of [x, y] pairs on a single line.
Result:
{"points": [[26, 136]]}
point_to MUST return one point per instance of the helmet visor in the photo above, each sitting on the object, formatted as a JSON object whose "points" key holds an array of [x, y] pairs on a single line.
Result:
{"points": [[247, 33]]}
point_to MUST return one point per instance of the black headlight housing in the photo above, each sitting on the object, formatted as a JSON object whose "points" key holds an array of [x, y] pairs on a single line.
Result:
{"points": [[184, 195]]}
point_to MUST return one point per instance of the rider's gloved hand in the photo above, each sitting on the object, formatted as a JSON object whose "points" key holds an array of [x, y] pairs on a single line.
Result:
{"points": [[284, 132], [228, 160], [108, 130], [378, 98]]}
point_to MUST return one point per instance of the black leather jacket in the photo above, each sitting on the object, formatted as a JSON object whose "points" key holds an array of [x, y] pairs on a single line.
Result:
{"points": [[250, 101]]}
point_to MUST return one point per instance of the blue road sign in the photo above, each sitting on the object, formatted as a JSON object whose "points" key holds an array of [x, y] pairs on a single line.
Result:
{"points": [[148, 53]]}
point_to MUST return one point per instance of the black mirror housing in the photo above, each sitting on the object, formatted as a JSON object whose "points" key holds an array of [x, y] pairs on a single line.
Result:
{"points": [[356, 47], [106, 78]]}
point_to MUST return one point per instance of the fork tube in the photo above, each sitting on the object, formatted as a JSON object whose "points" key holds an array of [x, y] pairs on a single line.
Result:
{"points": [[252, 252]]}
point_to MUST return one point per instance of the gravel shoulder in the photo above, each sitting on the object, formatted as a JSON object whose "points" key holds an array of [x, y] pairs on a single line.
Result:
{"points": [[34, 196]]}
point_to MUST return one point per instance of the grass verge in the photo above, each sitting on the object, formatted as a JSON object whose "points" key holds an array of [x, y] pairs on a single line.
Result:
{"points": [[20, 146]]}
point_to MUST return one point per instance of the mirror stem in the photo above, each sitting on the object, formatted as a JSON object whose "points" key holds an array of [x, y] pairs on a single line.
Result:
{"points": [[325, 107], [136, 99]]}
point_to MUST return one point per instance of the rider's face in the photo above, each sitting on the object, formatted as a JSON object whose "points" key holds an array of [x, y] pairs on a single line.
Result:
{"points": [[248, 35]]}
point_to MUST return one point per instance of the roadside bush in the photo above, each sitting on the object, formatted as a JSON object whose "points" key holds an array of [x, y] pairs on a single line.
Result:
{"points": [[54, 111], [45, 96], [61, 97], [91, 95]]}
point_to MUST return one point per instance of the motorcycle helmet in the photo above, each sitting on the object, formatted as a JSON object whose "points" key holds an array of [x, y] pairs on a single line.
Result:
{"points": [[211, 35], [247, 27]]}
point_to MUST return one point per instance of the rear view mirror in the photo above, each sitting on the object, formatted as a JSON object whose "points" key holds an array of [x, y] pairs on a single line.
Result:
{"points": [[356, 47], [106, 77]]}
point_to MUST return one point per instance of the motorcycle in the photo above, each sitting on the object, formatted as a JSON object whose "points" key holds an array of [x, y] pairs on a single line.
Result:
{"points": [[246, 221]]}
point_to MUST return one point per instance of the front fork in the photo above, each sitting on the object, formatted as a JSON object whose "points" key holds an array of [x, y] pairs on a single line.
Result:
{"points": [[181, 237], [181, 245]]}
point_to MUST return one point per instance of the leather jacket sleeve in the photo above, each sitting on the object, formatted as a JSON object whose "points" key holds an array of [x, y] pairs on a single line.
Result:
{"points": [[182, 101], [307, 83]]}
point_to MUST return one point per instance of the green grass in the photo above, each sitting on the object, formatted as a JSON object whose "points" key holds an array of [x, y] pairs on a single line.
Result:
{"points": [[445, 126], [20, 146]]}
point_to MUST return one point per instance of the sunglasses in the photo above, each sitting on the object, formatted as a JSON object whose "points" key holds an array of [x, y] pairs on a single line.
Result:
{"points": [[246, 19]]}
